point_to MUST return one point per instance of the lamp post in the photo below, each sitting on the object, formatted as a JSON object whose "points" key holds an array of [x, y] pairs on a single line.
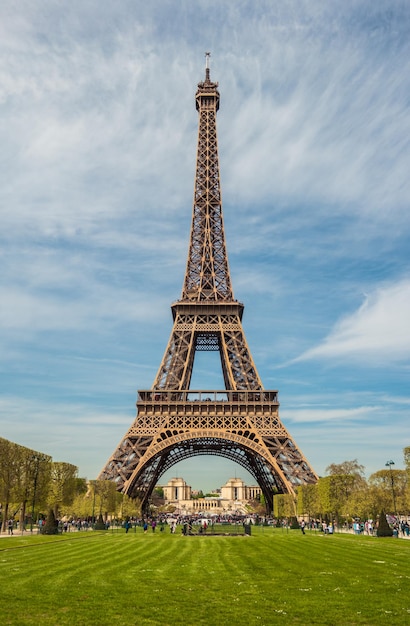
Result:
{"points": [[389, 464], [93, 516], [37, 458]]}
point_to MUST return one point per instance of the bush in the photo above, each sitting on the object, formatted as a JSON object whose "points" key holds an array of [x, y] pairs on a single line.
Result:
{"points": [[383, 529], [100, 524], [51, 525]]}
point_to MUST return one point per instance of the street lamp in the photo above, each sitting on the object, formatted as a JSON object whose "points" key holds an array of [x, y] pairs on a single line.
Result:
{"points": [[37, 458], [389, 464], [93, 517]]}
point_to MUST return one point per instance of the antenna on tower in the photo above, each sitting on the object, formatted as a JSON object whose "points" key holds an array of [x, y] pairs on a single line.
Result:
{"points": [[207, 56]]}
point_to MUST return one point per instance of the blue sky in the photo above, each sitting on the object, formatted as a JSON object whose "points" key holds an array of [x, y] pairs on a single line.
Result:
{"points": [[98, 132]]}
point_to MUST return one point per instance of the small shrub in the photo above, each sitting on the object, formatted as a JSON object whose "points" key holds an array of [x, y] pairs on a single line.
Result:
{"points": [[383, 529], [51, 525], [100, 524]]}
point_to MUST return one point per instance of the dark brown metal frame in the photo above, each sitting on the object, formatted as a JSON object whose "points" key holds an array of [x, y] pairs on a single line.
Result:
{"points": [[240, 423]]}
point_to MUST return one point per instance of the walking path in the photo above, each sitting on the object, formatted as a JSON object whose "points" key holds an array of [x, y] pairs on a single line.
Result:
{"points": [[27, 533]]}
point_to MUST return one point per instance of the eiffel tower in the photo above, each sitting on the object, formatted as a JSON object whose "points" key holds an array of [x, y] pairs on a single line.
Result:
{"points": [[241, 422]]}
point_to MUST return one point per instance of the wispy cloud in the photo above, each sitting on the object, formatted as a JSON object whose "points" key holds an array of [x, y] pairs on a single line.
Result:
{"points": [[328, 415], [377, 333], [69, 431], [97, 160]]}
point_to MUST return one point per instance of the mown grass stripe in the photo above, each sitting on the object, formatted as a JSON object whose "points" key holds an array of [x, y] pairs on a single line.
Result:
{"points": [[269, 578]]}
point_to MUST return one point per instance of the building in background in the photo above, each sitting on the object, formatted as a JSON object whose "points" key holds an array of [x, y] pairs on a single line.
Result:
{"points": [[176, 490], [231, 498]]}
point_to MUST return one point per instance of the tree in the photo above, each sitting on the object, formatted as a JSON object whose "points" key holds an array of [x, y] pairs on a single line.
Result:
{"points": [[324, 496], [33, 481], [197, 496], [10, 461], [346, 467], [78, 506], [130, 507], [256, 506], [283, 505], [63, 484], [308, 500], [390, 489], [343, 481], [334, 493], [363, 503], [106, 496], [159, 491], [157, 497], [406, 453]]}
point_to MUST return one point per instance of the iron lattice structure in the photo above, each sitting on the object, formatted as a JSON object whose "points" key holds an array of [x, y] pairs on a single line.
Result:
{"points": [[242, 421]]}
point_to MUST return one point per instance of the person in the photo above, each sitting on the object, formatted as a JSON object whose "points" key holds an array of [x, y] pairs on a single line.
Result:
{"points": [[302, 526], [10, 524], [127, 526], [145, 527], [153, 525]]}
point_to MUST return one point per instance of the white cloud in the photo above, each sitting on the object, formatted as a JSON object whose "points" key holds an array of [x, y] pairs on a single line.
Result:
{"points": [[98, 133], [377, 333], [74, 432], [329, 415], [307, 152]]}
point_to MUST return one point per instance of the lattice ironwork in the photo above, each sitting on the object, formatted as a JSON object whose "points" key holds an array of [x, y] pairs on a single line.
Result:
{"points": [[242, 421]]}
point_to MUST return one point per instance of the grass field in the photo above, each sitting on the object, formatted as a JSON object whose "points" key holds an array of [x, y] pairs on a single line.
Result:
{"points": [[272, 577]]}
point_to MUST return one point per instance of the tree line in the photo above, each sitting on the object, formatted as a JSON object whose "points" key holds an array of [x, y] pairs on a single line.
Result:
{"points": [[344, 494], [32, 485]]}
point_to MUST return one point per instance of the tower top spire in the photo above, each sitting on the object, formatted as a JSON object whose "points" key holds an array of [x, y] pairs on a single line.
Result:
{"points": [[207, 71], [207, 276], [207, 94]]}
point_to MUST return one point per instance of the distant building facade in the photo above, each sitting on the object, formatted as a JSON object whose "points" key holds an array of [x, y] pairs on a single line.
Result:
{"points": [[176, 490], [233, 498]]}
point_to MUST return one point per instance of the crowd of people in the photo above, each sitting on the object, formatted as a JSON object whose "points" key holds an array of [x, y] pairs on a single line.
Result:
{"points": [[199, 524]]}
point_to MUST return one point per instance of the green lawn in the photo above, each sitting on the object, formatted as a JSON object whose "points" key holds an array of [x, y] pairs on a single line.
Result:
{"points": [[272, 577]]}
